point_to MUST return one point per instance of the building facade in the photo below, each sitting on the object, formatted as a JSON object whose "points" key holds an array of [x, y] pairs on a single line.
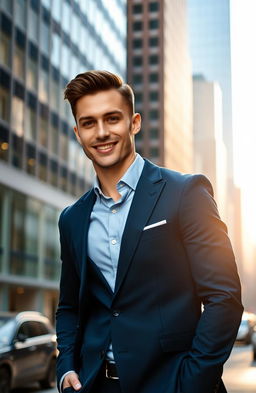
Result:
{"points": [[159, 71], [210, 49], [44, 44], [210, 156]]}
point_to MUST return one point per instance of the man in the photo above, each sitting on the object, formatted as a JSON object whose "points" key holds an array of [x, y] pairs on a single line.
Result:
{"points": [[141, 252]]}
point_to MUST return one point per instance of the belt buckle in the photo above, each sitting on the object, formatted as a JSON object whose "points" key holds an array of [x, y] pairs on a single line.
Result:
{"points": [[107, 374]]}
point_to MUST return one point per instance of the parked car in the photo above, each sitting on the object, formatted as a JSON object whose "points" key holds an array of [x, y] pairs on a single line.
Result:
{"points": [[246, 327], [253, 341], [27, 350]]}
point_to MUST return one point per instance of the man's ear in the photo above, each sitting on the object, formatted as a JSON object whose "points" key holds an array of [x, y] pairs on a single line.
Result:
{"points": [[136, 123], [77, 135]]}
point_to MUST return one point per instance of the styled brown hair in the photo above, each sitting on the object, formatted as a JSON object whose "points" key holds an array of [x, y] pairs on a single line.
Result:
{"points": [[93, 81]]}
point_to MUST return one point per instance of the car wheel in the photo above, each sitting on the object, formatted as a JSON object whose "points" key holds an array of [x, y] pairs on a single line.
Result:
{"points": [[49, 380], [5, 380]]}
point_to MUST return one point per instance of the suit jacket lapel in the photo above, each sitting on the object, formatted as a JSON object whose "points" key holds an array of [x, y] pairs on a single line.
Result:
{"points": [[146, 195]]}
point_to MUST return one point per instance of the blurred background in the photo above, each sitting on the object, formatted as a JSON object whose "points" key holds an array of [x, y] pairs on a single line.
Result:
{"points": [[192, 66]]}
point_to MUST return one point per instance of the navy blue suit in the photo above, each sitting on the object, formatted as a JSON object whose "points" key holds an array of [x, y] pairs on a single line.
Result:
{"points": [[162, 342]]}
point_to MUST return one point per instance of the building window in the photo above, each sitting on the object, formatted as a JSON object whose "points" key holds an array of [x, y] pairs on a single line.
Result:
{"points": [[42, 166], [73, 180], [18, 115], [137, 43], [4, 103], [154, 152], [137, 25], [25, 213], [66, 12], [55, 93], [54, 135], [64, 178], [30, 159], [138, 98], [31, 119], [51, 245], [137, 79], [153, 6], [153, 24], [20, 13], [45, 37], [7, 5], [19, 56], [137, 61], [64, 140], [137, 8], [33, 25], [154, 133], [153, 114], [44, 82], [153, 96], [55, 50], [53, 173], [4, 143], [153, 59], [153, 41], [153, 77], [5, 49], [32, 67], [17, 149], [43, 126]]}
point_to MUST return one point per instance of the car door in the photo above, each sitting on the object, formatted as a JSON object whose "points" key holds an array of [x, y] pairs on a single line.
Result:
{"points": [[45, 347], [24, 353]]}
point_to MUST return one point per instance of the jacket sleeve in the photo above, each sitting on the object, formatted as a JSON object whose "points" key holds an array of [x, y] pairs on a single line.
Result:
{"points": [[67, 311], [217, 284]]}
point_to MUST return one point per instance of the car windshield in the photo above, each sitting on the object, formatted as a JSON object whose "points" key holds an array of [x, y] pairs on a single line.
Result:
{"points": [[7, 326]]}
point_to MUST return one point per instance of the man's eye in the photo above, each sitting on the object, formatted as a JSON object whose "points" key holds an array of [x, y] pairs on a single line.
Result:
{"points": [[113, 119], [88, 123]]}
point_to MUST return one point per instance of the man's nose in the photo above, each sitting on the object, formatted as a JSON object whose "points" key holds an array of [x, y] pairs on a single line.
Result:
{"points": [[102, 130]]}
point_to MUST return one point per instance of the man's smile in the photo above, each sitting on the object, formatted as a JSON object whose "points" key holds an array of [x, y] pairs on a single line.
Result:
{"points": [[106, 147]]}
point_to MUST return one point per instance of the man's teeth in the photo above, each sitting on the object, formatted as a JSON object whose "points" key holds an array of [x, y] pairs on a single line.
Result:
{"points": [[105, 147]]}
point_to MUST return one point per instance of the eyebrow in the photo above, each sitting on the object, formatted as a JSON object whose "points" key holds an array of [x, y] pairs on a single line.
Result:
{"points": [[117, 111]]}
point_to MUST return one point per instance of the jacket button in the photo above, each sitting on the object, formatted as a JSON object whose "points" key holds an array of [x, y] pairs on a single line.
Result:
{"points": [[115, 313]]}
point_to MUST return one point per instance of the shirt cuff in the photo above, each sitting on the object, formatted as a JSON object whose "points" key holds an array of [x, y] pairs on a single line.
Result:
{"points": [[62, 379]]}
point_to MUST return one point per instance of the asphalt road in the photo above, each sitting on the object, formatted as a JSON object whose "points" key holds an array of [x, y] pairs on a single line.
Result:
{"points": [[239, 374], [240, 371]]}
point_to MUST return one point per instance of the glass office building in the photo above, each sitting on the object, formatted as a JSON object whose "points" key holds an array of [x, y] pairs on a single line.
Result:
{"points": [[160, 72], [44, 44]]}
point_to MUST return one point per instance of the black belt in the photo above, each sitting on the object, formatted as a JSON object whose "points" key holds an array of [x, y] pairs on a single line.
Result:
{"points": [[111, 370]]}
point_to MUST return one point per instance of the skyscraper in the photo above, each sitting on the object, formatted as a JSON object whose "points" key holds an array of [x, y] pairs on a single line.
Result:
{"points": [[43, 45], [209, 37], [159, 71]]}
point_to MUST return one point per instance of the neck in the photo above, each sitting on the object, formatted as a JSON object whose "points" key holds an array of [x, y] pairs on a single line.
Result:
{"points": [[109, 177]]}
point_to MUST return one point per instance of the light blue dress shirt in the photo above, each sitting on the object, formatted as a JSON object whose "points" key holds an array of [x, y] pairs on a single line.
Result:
{"points": [[107, 224]]}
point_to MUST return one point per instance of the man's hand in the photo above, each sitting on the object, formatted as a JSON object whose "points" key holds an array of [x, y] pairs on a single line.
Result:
{"points": [[71, 380]]}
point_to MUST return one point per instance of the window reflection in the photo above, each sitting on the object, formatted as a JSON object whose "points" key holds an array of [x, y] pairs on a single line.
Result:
{"points": [[51, 245], [24, 239], [18, 115]]}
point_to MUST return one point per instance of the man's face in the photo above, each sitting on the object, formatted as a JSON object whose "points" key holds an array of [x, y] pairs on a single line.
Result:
{"points": [[105, 129]]}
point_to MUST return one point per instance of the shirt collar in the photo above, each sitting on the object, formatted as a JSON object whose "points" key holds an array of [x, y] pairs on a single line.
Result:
{"points": [[130, 178]]}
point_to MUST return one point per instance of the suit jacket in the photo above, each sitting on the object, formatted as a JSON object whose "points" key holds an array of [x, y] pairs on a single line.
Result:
{"points": [[162, 339]]}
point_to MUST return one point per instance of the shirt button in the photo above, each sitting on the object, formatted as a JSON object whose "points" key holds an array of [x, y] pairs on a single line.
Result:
{"points": [[114, 211], [116, 313], [113, 241]]}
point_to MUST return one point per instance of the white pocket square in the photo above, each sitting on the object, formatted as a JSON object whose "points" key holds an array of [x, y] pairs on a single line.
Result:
{"points": [[156, 224]]}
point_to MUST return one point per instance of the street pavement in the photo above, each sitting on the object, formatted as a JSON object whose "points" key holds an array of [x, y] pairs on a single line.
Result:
{"points": [[240, 371], [239, 374]]}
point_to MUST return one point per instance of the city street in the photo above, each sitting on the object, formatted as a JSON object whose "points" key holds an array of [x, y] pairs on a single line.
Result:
{"points": [[240, 372], [239, 375]]}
